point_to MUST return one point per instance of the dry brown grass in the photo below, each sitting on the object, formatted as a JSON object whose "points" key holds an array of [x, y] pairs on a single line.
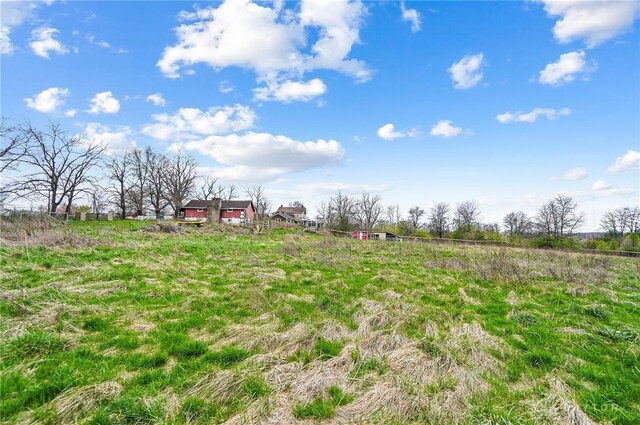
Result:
{"points": [[71, 403]]}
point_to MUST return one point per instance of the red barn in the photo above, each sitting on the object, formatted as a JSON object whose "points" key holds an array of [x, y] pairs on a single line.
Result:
{"points": [[236, 212], [217, 210]]}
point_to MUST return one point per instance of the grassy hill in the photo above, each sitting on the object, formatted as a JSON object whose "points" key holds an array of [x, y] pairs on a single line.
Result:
{"points": [[109, 323]]}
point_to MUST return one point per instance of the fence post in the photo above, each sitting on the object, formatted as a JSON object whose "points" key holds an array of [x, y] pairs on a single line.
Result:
{"points": [[110, 216], [83, 216]]}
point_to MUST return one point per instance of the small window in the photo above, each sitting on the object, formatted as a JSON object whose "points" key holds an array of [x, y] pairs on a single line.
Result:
{"points": [[200, 210], [230, 210]]}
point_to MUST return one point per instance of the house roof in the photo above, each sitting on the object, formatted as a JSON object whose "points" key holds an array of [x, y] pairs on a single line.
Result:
{"points": [[235, 205], [292, 210], [283, 215], [198, 203]]}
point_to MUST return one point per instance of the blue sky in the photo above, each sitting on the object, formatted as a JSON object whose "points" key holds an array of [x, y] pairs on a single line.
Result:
{"points": [[507, 103]]}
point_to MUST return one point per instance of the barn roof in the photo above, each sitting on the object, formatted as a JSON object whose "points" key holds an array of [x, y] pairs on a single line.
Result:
{"points": [[235, 204], [198, 203]]}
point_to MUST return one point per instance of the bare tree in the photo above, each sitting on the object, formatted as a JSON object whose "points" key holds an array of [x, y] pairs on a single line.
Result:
{"points": [[517, 223], [208, 188], [180, 180], [559, 217], [139, 169], [621, 221], [12, 145], [297, 204], [393, 214], [260, 201], [415, 215], [157, 192], [323, 213], [231, 192], [369, 210], [98, 202], [466, 216], [342, 210], [438, 219], [118, 168], [55, 166]]}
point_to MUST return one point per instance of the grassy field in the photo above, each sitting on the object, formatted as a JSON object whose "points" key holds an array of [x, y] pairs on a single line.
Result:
{"points": [[106, 323]]}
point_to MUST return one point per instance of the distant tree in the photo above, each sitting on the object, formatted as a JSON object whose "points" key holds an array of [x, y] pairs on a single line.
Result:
{"points": [[323, 213], [559, 217], [466, 216], [342, 209], [438, 219], [209, 188], [368, 210], [180, 180], [260, 201], [157, 190], [621, 221], [393, 214], [231, 192], [415, 215], [12, 145], [55, 166], [139, 162], [297, 204], [517, 223], [98, 202], [118, 172]]}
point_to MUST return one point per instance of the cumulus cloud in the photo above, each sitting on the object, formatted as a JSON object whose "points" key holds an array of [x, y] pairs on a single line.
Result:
{"points": [[630, 159], [445, 128], [290, 91], [532, 116], [600, 185], [156, 99], [42, 42], [70, 113], [271, 41], [388, 132], [265, 156], [104, 103], [190, 123], [573, 174], [412, 16], [592, 21], [467, 73], [115, 140], [12, 15], [565, 69], [47, 100]]}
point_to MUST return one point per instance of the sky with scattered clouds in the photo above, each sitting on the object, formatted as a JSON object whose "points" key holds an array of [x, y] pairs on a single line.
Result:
{"points": [[507, 103]]}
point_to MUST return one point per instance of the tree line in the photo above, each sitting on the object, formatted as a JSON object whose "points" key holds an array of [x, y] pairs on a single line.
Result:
{"points": [[554, 222], [55, 167]]}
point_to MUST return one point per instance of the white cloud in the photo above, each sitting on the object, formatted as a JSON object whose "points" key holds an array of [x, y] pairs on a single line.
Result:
{"points": [[104, 103], [12, 14], [347, 188], [387, 132], [269, 40], [100, 43], [190, 123], [600, 185], [225, 87], [593, 21], [289, 91], [630, 159], [115, 140], [445, 128], [265, 156], [42, 42], [156, 99], [47, 100], [466, 73], [565, 69], [70, 113], [532, 116], [412, 16], [573, 174]]}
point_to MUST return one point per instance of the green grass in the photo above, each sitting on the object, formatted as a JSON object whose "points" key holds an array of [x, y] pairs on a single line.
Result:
{"points": [[258, 316]]}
